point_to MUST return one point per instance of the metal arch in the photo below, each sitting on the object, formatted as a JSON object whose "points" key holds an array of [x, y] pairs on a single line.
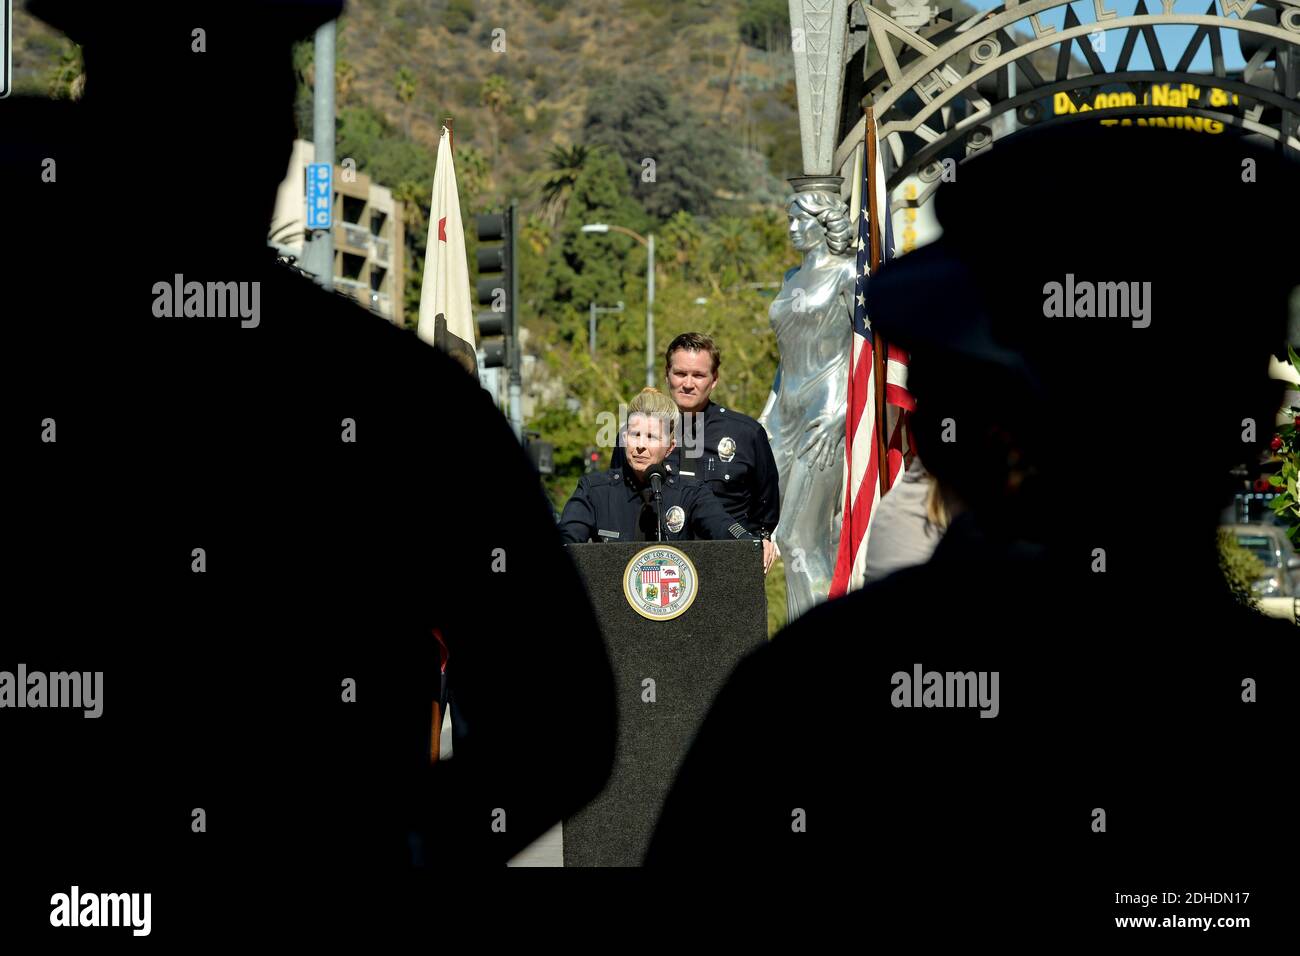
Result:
{"points": [[922, 158], [935, 61], [1032, 46]]}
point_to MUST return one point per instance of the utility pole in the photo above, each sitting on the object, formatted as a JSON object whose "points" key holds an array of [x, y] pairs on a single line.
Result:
{"points": [[516, 357], [322, 240], [650, 311]]}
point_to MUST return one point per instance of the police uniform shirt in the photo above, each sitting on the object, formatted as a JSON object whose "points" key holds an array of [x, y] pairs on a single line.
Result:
{"points": [[734, 459], [609, 506]]}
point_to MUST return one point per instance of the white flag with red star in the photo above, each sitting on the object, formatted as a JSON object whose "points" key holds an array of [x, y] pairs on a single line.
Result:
{"points": [[446, 313]]}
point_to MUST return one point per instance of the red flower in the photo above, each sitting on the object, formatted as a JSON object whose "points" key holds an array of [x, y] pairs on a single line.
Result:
{"points": [[1276, 443]]}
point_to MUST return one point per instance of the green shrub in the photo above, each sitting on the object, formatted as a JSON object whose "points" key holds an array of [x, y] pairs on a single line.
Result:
{"points": [[1240, 568], [1287, 503], [460, 16]]}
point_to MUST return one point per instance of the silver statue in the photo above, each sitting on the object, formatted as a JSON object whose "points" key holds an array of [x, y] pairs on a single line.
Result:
{"points": [[813, 320]]}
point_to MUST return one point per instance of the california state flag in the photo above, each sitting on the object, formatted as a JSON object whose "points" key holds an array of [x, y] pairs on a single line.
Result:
{"points": [[446, 315]]}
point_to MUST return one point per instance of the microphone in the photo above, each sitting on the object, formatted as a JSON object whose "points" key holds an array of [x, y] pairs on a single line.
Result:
{"points": [[657, 473]]}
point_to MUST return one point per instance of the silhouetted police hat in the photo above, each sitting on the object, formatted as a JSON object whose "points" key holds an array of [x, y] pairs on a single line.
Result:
{"points": [[1209, 220], [87, 20]]}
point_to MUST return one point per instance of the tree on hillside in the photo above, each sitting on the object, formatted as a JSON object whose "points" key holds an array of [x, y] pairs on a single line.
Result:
{"points": [[68, 80], [765, 24], [404, 86], [587, 267], [563, 166], [495, 95], [690, 161], [345, 76]]}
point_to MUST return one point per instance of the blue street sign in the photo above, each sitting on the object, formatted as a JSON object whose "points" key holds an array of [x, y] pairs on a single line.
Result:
{"points": [[320, 195]]}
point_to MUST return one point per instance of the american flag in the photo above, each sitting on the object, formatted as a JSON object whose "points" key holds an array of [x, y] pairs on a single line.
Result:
{"points": [[862, 455]]}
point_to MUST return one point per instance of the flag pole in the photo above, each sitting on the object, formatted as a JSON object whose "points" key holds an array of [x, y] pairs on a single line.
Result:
{"points": [[877, 343]]}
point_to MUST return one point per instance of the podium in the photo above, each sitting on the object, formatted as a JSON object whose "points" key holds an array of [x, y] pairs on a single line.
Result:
{"points": [[670, 659]]}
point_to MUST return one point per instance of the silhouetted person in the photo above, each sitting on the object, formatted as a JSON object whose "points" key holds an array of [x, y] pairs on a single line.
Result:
{"points": [[350, 487], [1085, 460]]}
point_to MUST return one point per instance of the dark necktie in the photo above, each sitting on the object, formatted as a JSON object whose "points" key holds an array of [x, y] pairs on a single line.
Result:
{"points": [[647, 527]]}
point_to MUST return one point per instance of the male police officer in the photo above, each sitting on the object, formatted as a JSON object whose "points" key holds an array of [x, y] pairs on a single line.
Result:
{"points": [[618, 505], [726, 450]]}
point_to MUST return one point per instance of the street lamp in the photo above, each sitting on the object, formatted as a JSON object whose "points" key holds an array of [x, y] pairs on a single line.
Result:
{"points": [[649, 243]]}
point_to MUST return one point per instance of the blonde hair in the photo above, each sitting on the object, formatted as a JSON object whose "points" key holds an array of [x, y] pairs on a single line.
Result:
{"points": [[936, 513], [655, 404]]}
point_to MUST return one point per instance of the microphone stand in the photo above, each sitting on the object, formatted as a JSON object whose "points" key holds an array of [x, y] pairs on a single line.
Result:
{"points": [[656, 486]]}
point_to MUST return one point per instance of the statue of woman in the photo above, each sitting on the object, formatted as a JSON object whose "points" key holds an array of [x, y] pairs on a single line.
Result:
{"points": [[813, 320]]}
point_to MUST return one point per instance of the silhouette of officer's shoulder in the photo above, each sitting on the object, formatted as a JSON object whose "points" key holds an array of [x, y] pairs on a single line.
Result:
{"points": [[40, 142]]}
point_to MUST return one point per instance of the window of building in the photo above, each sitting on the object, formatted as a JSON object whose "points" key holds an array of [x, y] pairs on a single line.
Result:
{"points": [[352, 266], [353, 208]]}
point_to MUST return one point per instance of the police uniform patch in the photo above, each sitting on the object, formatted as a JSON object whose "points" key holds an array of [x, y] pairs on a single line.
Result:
{"points": [[727, 448], [660, 583], [675, 518]]}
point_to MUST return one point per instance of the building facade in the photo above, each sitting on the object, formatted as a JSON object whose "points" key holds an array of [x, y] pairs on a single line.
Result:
{"points": [[368, 233]]}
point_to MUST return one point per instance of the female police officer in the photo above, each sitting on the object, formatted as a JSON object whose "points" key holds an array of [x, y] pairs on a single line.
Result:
{"points": [[618, 505]]}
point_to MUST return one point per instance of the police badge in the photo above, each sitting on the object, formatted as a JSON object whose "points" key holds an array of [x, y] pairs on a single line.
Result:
{"points": [[727, 448], [675, 519]]}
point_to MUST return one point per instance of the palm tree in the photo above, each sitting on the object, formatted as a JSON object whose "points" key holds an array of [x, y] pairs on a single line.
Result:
{"points": [[345, 74], [732, 250], [564, 166], [404, 85], [414, 198], [495, 95]]}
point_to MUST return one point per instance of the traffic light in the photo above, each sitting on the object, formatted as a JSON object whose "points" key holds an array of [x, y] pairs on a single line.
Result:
{"points": [[495, 288], [591, 460]]}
